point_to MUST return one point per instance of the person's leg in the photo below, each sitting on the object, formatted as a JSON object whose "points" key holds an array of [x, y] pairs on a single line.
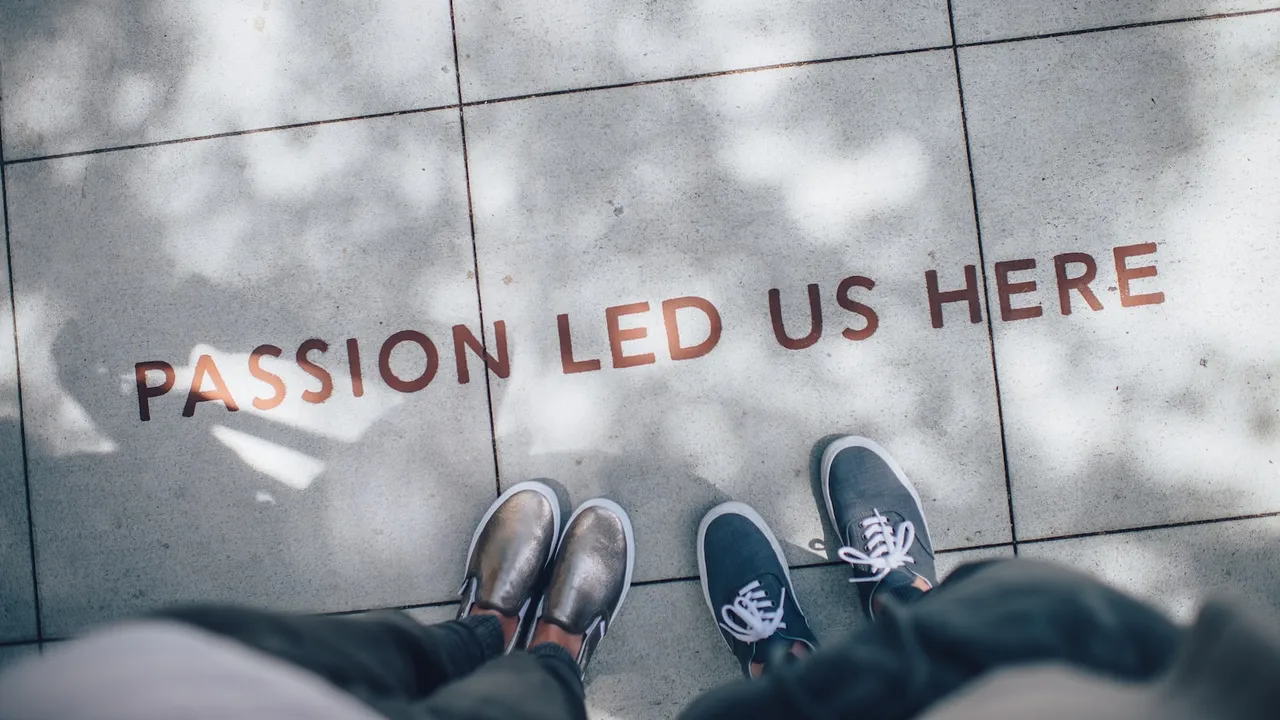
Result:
{"points": [[386, 658], [384, 655], [747, 586], [928, 642], [884, 536], [880, 520], [1000, 614]]}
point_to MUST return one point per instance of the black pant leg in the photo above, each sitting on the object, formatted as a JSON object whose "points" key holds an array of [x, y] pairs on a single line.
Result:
{"points": [[991, 616], [384, 657], [542, 684]]}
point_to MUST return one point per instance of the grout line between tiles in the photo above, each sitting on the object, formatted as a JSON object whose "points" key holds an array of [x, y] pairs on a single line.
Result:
{"points": [[823, 564], [705, 75], [986, 296], [638, 83], [662, 581], [19, 643], [1111, 28], [472, 103], [1143, 528], [475, 254], [416, 606], [231, 133], [829, 563], [17, 371]]}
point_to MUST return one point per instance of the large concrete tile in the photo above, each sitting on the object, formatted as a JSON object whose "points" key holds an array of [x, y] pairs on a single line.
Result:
{"points": [[529, 46], [723, 189], [979, 20], [1166, 136], [84, 75], [1178, 568], [666, 638], [17, 599], [349, 231]]}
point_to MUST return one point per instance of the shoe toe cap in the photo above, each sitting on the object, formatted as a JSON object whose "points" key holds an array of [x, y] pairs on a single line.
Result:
{"points": [[512, 549], [590, 570]]}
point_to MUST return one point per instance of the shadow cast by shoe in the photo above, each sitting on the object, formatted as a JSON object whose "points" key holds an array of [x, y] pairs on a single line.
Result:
{"points": [[829, 540]]}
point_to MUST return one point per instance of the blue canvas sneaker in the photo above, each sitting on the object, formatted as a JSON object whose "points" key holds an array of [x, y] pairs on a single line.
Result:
{"points": [[747, 585], [880, 521]]}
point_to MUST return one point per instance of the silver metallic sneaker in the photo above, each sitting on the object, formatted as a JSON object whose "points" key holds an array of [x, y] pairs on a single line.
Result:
{"points": [[509, 551], [591, 574]]}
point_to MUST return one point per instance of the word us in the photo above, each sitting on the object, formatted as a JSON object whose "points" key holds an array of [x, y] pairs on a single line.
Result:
{"points": [[1074, 272]]}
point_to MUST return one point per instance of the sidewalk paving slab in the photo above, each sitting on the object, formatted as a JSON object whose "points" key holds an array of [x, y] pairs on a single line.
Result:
{"points": [[81, 76], [1178, 568], [1161, 140], [534, 46], [724, 189], [171, 253], [985, 20]]}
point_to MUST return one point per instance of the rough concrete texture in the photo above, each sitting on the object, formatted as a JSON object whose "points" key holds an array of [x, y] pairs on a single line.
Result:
{"points": [[671, 179]]}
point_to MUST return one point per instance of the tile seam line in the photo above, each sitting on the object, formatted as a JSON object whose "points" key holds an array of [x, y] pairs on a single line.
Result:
{"points": [[639, 583], [1144, 528], [1122, 26], [228, 134], [704, 75], [20, 643], [17, 371], [475, 255], [825, 564], [470, 103], [402, 608], [986, 295], [638, 83], [642, 583]]}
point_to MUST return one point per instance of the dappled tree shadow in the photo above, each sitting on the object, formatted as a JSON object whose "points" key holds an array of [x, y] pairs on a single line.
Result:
{"points": [[722, 188]]}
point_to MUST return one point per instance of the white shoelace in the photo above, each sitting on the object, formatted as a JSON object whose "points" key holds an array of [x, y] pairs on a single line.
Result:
{"points": [[749, 617], [887, 547]]}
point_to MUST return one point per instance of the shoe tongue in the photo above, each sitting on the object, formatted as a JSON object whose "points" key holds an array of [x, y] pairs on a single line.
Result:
{"points": [[772, 585], [775, 648]]}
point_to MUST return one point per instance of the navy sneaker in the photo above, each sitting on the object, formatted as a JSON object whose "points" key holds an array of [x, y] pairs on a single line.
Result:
{"points": [[879, 519], [748, 587]]}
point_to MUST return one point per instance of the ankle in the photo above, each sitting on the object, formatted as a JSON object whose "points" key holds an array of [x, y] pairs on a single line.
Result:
{"points": [[546, 632], [905, 594], [798, 650], [510, 624]]}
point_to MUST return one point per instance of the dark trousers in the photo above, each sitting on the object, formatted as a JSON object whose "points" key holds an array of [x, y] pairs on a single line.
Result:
{"points": [[407, 671], [986, 616]]}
